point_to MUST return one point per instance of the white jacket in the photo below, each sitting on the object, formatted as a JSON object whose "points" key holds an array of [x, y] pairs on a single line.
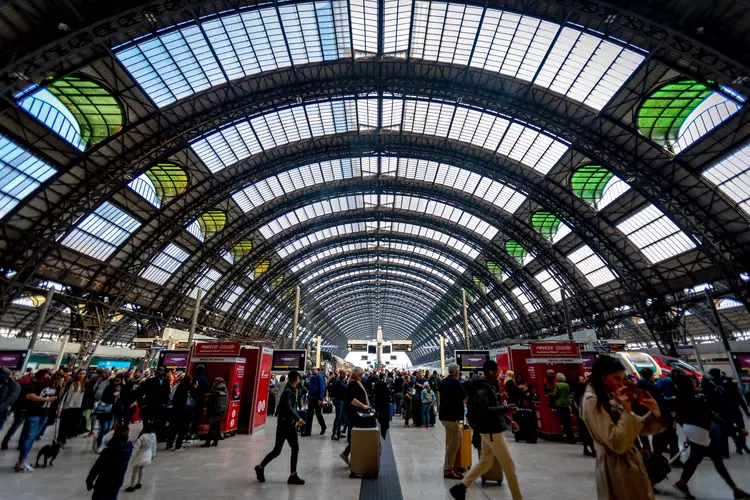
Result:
{"points": [[144, 450]]}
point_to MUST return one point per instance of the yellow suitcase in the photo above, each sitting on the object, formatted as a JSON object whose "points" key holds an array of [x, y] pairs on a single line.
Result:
{"points": [[463, 457]]}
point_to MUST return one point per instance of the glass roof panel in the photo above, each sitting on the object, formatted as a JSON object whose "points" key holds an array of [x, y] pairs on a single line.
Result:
{"points": [[587, 68], [20, 173], [101, 232], [732, 176], [52, 112], [212, 222], [244, 138], [164, 264], [549, 226], [591, 265], [207, 278], [248, 308], [234, 294], [409, 203], [549, 283], [655, 235], [444, 32], [306, 277], [525, 300], [507, 311]]}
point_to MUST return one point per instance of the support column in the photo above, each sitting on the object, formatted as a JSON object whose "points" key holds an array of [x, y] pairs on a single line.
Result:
{"points": [[442, 355], [62, 352], [307, 348], [38, 326], [566, 313], [295, 320], [194, 319], [697, 354], [466, 319], [318, 340], [722, 333]]}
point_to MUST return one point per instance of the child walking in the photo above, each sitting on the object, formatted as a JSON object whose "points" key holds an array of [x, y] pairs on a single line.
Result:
{"points": [[428, 399], [144, 450], [108, 473]]}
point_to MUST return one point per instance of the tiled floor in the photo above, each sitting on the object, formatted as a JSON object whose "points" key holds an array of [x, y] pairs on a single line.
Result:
{"points": [[546, 471]]}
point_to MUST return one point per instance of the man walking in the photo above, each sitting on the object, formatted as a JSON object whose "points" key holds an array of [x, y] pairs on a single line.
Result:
{"points": [[451, 414], [338, 394], [489, 418], [315, 401], [286, 430], [9, 392]]}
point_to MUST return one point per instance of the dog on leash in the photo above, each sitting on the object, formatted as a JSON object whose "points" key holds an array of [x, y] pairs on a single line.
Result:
{"points": [[49, 452]]}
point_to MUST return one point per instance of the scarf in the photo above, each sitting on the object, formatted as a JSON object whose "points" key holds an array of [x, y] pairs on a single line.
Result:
{"points": [[615, 408]]}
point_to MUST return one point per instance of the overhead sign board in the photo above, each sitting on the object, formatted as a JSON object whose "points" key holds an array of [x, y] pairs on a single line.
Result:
{"points": [[471, 360], [555, 350]]}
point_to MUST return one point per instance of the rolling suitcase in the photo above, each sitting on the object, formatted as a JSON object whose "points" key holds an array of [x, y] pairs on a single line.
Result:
{"points": [[365, 457], [524, 417], [494, 474], [463, 457], [303, 415]]}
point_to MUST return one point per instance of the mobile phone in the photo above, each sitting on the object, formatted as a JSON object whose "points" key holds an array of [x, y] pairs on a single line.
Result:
{"points": [[636, 395]]}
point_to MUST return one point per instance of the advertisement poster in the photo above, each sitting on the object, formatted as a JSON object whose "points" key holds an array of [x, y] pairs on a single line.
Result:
{"points": [[742, 362], [554, 350], [261, 389], [13, 359]]}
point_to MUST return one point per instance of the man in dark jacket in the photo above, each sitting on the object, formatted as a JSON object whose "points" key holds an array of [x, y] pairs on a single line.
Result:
{"points": [[286, 430], [218, 405], [315, 396], [337, 392], [489, 418], [199, 393], [153, 396], [9, 392], [108, 473]]}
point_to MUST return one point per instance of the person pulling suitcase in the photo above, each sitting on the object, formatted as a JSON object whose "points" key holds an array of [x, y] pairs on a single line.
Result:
{"points": [[286, 430]]}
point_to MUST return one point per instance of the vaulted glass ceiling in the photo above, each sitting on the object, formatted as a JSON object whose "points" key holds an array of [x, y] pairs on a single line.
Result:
{"points": [[515, 189]]}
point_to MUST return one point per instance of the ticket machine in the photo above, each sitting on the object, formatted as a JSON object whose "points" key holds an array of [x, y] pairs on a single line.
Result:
{"points": [[222, 359], [255, 388]]}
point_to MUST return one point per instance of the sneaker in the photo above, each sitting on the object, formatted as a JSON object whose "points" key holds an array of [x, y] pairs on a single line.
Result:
{"points": [[741, 494], [458, 491], [295, 479], [98, 450], [684, 489], [23, 468], [345, 457], [260, 474]]}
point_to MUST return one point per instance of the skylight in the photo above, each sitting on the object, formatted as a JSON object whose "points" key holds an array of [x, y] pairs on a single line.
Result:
{"points": [[101, 232], [234, 294], [549, 283], [240, 140], [206, 280], [507, 311], [164, 264], [655, 235], [732, 176], [591, 265], [524, 299], [20, 173]]}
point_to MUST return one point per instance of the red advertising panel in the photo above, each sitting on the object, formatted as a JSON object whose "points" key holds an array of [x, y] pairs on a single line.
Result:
{"points": [[260, 398], [742, 362], [554, 350], [217, 349]]}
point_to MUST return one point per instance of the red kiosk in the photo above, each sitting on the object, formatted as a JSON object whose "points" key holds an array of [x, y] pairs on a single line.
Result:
{"points": [[560, 357], [252, 416], [222, 359]]}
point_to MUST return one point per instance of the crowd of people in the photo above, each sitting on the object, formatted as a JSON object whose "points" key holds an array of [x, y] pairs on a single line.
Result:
{"points": [[622, 422], [97, 402]]}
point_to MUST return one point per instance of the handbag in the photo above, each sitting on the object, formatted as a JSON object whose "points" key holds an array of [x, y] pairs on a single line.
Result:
{"points": [[656, 465], [366, 420], [189, 402], [102, 408]]}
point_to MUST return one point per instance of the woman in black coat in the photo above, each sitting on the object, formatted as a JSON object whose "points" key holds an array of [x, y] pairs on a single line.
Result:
{"points": [[182, 413]]}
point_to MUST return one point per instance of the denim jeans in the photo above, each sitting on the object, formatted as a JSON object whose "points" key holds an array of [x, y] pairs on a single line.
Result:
{"points": [[398, 398], [3, 418], [338, 422], [105, 425], [426, 413], [31, 428]]}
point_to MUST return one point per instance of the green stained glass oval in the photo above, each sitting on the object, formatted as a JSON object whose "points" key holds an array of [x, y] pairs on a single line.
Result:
{"points": [[212, 222], [96, 109], [662, 114], [241, 249], [169, 180], [515, 250], [546, 223], [589, 181], [495, 270]]}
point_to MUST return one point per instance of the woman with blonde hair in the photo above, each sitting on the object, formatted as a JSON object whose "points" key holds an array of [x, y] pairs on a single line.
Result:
{"points": [[71, 407], [356, 400]]}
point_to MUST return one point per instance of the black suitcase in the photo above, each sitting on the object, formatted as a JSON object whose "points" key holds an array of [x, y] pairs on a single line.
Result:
{"points": [[524, 417]]}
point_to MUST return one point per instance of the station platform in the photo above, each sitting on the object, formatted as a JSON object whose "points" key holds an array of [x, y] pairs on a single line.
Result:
{"points": [[411, 468]]}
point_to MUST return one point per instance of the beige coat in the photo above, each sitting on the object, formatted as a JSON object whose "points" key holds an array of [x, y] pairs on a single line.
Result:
{"points": [[620, 473]]}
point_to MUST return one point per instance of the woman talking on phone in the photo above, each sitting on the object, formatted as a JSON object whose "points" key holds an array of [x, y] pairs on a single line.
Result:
{"points": [[695, 416], [607, 411]]}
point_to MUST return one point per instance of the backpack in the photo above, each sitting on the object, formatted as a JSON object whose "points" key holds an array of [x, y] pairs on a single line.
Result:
{"points": [[221, 403], [481, 398]]}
